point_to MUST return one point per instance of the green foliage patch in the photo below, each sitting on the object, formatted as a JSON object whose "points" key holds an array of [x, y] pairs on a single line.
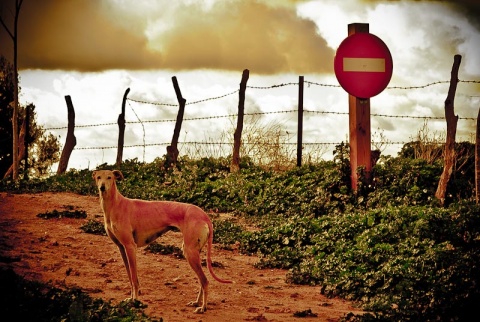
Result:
{"points": [[94, 227], [159, 248], [24, 300], [76, 214]]}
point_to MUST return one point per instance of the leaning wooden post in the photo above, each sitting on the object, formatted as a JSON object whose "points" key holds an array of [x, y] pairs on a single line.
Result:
{"points": [[172, 149], [237, 137], [477, 160], [71, 140], [300, 122], [22, 148], [27, 139], [452, 120], [121, 130]]}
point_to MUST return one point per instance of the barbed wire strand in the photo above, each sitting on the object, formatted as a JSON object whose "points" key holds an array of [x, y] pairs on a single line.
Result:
{"points": [[224, 143], [265, 113], [260, 113]]}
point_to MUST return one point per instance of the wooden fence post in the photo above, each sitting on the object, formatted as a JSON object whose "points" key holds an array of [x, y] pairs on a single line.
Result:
{"points": [[300, 122], [71, 140], [27, 139], [237, 137], [452, 120], [172, 149], [121, 130], [21, 148], [477, 160]]}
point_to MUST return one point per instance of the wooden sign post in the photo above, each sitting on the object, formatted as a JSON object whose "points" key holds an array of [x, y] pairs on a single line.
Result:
{"points": [[360, 137], [363, 66], [359, 125]]}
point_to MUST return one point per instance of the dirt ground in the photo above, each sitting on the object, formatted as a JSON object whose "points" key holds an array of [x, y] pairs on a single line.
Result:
{"points": [[57, 250]]}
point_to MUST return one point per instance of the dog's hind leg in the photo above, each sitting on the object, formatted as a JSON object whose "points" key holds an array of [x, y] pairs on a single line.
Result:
{"points": [[193, 243], [193, 258]]}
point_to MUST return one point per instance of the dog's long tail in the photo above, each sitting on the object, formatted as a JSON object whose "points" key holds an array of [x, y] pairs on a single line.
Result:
{"points": [[209, 255]]}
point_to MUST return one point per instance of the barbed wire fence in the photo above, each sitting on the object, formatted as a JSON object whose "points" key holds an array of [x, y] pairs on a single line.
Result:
{"points": [[223, 146]]}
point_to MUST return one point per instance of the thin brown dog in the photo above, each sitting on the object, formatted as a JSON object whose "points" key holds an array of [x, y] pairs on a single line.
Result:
{"points": [[132, 223]]}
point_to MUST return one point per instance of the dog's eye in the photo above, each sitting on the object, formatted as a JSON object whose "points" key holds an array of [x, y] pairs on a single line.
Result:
{"points": [[98, 178], [109, 178]]}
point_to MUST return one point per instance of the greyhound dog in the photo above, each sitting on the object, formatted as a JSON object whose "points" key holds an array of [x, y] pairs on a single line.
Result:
{"points": [[132, 223]]}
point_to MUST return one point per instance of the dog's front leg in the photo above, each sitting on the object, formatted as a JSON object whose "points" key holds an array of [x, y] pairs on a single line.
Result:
{"points": [[121, 248], [125, 263], [130, 251]]}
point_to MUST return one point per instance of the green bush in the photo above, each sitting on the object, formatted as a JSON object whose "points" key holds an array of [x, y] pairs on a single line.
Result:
{"points": [[403, 258], [24, 300], [401, 181], [94, 227]]}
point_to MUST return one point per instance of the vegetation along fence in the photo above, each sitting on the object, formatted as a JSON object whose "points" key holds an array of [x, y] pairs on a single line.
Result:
{"points": [[266, 144]]}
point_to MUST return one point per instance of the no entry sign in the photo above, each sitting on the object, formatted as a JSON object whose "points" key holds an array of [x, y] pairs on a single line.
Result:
{"points": [[363, 65]]}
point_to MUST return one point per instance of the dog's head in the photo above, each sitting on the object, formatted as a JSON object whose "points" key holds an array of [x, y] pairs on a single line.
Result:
{"points": [[105, 179]]}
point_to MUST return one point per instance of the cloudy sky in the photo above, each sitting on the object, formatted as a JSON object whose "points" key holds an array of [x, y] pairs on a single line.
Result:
{"points": [[94, 50]]}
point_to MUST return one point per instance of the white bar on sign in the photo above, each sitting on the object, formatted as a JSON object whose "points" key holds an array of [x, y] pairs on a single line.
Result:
{"points": [[364, 65]]}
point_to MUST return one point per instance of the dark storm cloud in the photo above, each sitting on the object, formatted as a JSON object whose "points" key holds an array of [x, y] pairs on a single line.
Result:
{"points": [[83, 35], [470, 8], [246, 34], [74, 35]]}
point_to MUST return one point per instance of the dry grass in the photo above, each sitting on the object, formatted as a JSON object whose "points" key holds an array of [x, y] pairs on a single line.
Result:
{"points": [[429, 144], [267, 144]]}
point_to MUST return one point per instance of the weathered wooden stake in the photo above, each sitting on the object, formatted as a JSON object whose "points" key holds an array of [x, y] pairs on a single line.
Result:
{"points": [[121, 130], [477, 160], [237, 137], [300, 122], [172, 149], [71, 140], [359, 124], [452, 121], [26, 141], [22, 147]]}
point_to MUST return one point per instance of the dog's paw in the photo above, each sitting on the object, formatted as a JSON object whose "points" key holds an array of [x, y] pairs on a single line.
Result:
{"points": [[199, 310]]}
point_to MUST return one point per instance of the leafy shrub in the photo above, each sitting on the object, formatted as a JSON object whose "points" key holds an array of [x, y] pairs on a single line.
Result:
{"points": [[226, 232], [158, 248], [77, 214], [310, 190], [94, 227], [281, 245], [400, 181], [24, 300], [402, 263]]}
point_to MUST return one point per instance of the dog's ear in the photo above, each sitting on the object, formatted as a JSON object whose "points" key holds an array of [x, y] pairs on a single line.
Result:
{"points": [[118, 175], [94, 175]]}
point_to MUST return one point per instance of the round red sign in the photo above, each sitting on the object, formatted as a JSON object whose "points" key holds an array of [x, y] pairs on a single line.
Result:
{"points": [[363, 65]]}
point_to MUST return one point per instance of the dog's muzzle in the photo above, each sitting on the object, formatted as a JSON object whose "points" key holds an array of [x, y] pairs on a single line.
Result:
{"points": [[102, 188]]}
